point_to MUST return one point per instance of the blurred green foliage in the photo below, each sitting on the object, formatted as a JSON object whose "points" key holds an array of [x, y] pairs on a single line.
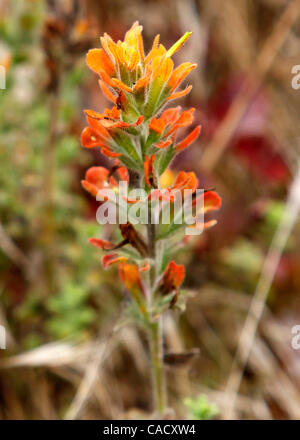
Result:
{"points": [[71, 311], [200, 408]]}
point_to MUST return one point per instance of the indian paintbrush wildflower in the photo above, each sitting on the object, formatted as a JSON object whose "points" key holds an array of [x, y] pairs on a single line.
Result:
{"points": [[142, 138]]}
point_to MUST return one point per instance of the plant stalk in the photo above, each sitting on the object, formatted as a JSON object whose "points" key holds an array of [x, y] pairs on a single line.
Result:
{"points": [[157, 367], [155, 335]]}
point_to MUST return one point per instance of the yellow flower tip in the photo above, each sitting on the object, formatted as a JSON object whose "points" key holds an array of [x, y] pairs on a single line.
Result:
{"points": [[167, 178], [178, 44]]}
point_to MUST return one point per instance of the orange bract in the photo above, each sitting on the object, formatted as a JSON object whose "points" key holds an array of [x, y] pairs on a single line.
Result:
{"points": [[149, 170], [173, 276], [168, 124], [97, 178], [130, 276]]}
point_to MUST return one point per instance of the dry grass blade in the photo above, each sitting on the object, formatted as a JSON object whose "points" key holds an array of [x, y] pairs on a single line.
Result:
{"points": [[102, 349], [269, 268], [226, 129], [56, 354]]}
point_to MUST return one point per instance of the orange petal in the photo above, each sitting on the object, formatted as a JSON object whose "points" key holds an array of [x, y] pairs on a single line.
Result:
{"points": [[97, 175], [203, 226], [93, 114], [145, 267], [123, 174], [110, 259], [212, 201], [163, 70], [153, 49], [186, 181], [173, 276], [189, 139], [170, 115], [98, 61], [163, 144], [108, 153], [139, 120], [130, 276], [148, 168], [119, 84], [179, 74], [92, 189], [180, 94], [106, 91], [91, 139], [142, 82], [185, 119], [157, 125], [114, 124], [102, 244], [98, 128]]}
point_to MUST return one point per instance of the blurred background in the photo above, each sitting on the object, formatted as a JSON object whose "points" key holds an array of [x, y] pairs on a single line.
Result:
{"points": [[68, 353]]}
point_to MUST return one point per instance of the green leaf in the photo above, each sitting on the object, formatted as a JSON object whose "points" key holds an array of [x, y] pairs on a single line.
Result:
{"points": [[165, 158]]}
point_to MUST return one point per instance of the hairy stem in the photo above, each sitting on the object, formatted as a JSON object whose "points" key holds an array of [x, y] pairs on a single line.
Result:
{"points": [[157, 367], [155, 335]]}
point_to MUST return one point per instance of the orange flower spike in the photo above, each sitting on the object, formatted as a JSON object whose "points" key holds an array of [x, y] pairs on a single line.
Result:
{"points": [[173, 277]]}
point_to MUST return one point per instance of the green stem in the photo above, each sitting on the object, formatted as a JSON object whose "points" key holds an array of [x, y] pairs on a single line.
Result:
{"points": [[157, 367], [155, 335]]}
